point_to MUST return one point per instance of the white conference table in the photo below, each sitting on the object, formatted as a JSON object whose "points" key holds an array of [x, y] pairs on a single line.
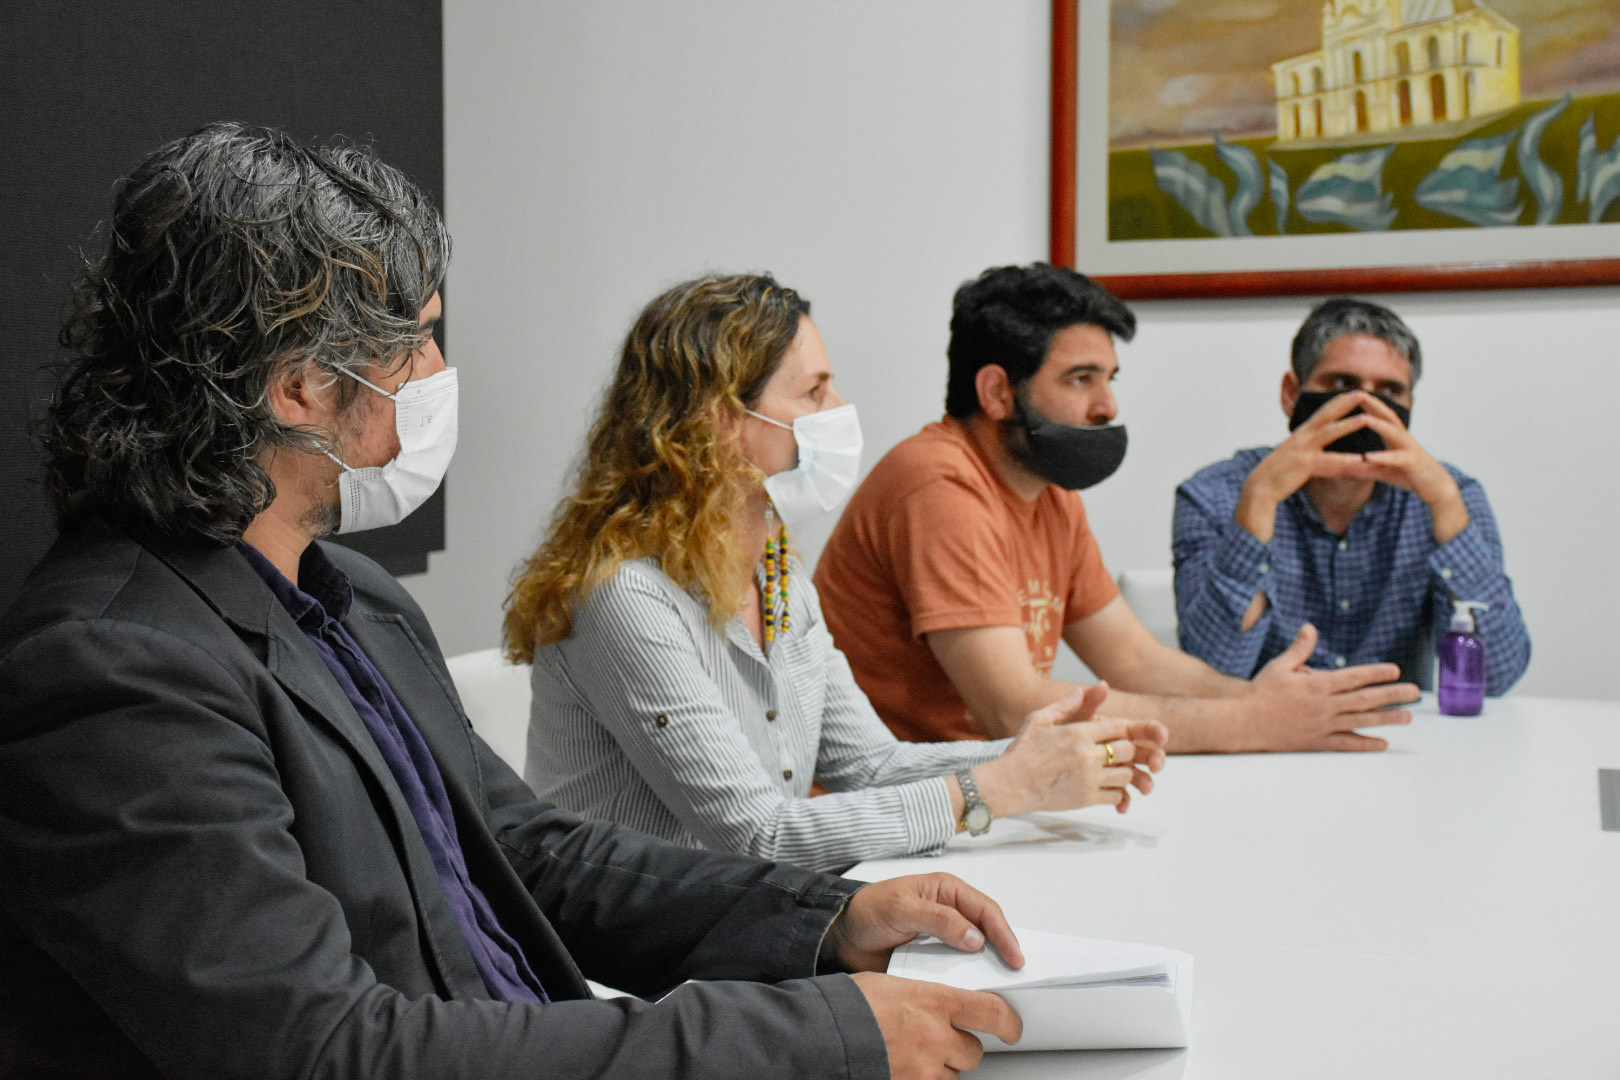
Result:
{"points": [[1447, 908]]}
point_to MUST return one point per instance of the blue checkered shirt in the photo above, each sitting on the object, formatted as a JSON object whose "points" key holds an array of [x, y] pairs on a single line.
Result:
{"points": [[1380, 592]]}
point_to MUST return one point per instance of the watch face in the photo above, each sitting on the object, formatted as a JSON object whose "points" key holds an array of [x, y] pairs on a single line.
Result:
{"points": [[977, 819]]}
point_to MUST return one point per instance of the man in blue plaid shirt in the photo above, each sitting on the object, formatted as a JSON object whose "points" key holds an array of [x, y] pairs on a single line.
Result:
{"points": [[1369, 545]]}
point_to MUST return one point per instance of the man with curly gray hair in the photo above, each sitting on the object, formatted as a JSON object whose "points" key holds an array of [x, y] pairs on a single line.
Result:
{"points": [[1349, 526], [245, 827]]}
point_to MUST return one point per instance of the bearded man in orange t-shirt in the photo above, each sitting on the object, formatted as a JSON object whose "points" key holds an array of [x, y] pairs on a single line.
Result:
{"points": [[965, 559]]}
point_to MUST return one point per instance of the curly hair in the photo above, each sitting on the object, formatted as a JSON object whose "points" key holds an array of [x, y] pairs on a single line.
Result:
{"points": [[662, 476], [233, 255], [1008, 315]]}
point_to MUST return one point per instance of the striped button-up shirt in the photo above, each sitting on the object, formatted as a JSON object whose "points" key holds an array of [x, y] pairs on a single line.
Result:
{"points": [[648, 715], [1380, 592]]}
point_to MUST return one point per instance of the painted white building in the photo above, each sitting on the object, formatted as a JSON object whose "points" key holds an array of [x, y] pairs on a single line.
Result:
{"points": [[1386, 65]]}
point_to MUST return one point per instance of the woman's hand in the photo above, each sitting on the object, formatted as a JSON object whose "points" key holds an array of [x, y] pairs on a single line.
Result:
{"points": [[1064, 758]]}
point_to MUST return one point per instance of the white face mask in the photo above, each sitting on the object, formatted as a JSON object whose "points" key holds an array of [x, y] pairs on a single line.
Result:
{"points": [[425, 418], [829, 463]]}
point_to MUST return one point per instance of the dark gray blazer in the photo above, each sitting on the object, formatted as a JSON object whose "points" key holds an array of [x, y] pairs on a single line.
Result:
{"points": [[206, 869]]}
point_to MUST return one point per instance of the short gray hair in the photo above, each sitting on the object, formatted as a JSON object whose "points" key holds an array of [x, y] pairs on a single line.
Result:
{"points": [[1346, 315]]}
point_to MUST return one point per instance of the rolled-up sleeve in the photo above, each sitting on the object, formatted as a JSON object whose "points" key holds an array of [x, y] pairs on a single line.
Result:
{"points": [[1220, 568]]}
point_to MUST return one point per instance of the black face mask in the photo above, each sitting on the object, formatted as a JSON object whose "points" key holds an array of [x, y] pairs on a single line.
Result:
{"points": [[1063, 454], [1364, 441]]}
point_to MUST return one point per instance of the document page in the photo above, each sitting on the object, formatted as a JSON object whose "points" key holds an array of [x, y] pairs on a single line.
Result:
{"points": [[1073, 993], [1049, 960]]}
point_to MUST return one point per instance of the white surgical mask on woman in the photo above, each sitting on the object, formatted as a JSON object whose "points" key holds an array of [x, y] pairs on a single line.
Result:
{"points": [[425, 419], [829, 444]]}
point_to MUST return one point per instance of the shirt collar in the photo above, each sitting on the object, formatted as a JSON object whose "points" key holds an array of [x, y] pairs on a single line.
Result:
{"points": [[326, 593]]}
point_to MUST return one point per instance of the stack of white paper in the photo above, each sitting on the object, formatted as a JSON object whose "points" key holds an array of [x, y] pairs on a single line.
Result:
{"points": [[1073, 993]]}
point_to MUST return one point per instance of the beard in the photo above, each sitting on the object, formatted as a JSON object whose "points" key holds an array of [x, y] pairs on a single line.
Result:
{"points": [[323, 518], [325, 513], [1015, 432]]}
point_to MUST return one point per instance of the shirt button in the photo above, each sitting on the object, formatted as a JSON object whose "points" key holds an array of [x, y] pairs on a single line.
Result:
{"points": [[1265, 568], [1344, 545], [661, 720], [1340, 661], [787, 774], [1445, 572], [1344, 605], [770, 714]]}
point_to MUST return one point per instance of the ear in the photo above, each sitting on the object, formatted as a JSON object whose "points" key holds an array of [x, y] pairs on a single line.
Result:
{"points": [[1290, 393], [303, 395], [997, 398]]}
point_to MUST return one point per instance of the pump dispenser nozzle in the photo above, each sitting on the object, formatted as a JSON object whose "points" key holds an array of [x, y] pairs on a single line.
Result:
{"points": [[1462, 616]]}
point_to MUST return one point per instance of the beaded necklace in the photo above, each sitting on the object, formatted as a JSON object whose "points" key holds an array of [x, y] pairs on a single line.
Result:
{"points": [[776, 583]]}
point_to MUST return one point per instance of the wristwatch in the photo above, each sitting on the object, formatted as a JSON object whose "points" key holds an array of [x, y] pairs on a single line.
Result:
{"points": [[975, 815]]}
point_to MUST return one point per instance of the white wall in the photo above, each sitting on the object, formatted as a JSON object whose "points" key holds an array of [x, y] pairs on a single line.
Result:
{"points": [[874, 155]]}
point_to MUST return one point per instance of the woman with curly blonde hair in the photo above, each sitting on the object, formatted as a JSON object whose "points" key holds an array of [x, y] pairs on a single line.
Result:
{"points": [[684, 682]]}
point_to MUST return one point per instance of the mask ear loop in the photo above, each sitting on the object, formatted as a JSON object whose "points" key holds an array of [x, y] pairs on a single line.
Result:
{"points": [[367, 383], [344, 465], [318, 445], [322, 445], [768, 420], [374, 386]]}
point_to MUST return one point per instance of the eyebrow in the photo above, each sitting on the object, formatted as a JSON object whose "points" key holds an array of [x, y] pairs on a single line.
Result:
{"points": [[1086, 369]]}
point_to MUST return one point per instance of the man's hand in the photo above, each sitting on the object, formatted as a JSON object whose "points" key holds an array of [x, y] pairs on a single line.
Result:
{"points": [[1404, 463], [923, 1024], [1060, 760], [1292, 707], [1303, 457], [890, 913]]}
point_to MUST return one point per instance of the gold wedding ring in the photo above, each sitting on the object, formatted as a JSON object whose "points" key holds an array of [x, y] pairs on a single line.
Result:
{"points": [[1108, 746]]}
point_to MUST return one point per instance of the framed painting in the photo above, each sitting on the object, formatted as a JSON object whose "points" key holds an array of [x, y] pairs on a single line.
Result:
{"points": [[1224, 148]]}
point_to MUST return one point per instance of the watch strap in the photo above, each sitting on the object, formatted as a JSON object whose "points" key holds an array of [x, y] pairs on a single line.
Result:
{"points": [[976, 815]]}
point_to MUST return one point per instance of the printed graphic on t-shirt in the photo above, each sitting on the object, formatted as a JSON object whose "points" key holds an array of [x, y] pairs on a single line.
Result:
{"points": [[1043, 611]]}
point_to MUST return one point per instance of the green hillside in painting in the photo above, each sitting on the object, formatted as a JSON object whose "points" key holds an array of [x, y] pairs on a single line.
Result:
{"points": [[1139, 210]]}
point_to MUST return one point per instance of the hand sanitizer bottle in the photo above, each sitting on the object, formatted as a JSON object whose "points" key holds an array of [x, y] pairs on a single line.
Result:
{"points": [[1462, 662]]}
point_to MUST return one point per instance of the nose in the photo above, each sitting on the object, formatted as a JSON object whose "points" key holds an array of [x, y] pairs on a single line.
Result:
{"points": [[1103, 407], [833, 399]]}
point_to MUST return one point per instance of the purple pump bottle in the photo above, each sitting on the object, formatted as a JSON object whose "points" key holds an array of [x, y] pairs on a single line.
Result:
{"points": [[1462, 662]]}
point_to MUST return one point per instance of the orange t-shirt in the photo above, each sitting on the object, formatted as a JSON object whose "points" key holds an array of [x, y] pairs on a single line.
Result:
{"points": [[933, 540]]}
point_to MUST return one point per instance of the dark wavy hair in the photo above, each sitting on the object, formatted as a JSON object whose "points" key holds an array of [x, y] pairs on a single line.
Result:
{"points": [[1008, 315], [233, 255]]}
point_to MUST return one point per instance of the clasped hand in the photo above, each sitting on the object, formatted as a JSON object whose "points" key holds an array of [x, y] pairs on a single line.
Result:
{"points": [[1304, 457]]}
